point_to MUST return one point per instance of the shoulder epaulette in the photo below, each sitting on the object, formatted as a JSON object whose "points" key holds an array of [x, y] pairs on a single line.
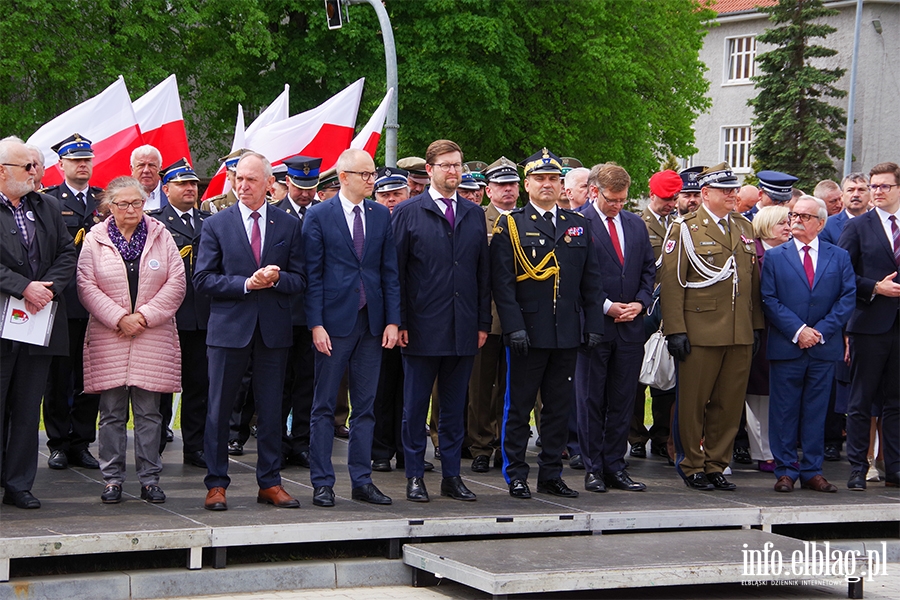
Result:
{"points": [[96, 189], [49, 189], [154, 212], [518, 209], [737, 214], [204, 213], [214, 198]]}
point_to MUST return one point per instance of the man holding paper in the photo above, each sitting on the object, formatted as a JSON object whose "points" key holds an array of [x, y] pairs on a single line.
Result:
{"points": [[37, 260]]}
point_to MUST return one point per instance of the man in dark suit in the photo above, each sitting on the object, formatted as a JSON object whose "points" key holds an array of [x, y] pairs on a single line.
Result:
{"points": [[808, 292], [855, 196], [71, 428], [185, 222], [37, 260], [445, 313], [873, 241], [250, 263], [301, 178], [353, 311], [547, 288], [606, 377]]}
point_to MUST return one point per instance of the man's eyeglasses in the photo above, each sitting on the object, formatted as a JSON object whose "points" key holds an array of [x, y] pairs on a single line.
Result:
{"points": [[123, 206], [884, 187], [447, 167], [26, 166], [364, 175], [613, 200], [802, 217]]}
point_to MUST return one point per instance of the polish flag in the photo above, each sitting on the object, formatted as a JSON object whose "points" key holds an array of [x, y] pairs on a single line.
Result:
{"points": [[159, 116], [277, 111], [369, 136], [107, 120], [323, 132]]}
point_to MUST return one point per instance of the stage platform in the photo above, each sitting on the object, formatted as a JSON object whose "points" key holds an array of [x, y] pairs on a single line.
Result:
{"points": [[73, 521]]}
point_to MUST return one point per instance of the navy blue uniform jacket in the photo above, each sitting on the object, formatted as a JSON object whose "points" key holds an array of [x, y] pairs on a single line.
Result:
{"points": [[224, 263], [334, 271], [445, 282]]}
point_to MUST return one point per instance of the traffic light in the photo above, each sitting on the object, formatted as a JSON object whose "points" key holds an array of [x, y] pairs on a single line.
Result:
{"points": [[333, 14]]}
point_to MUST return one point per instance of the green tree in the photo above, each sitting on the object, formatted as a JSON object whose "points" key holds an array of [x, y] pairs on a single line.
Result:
{"points": [[796, 129]]}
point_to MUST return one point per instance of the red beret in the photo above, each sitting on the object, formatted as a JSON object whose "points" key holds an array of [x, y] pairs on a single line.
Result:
{"points": [[665, 184]]}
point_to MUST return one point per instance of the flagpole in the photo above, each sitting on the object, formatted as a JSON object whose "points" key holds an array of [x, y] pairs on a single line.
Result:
{"points": [[390, 59]]}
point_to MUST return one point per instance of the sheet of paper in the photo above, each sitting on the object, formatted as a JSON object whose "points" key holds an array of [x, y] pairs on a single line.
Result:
{"points": [[19, 325]]}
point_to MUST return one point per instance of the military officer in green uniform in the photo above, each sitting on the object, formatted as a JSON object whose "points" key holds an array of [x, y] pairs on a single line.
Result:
{"points": [[712, 315], [223, 201], [548, 291]]}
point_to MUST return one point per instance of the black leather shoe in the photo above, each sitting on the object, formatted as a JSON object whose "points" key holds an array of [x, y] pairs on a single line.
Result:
{"points": [[235, 448], [170, 435], [638, 450], [437, 454], [152, 494], [428, 466], [857, 481], [323, 496], [556, 487], [382, 465], [498, 460], [415, 490], [21, 500], [832, 452], [518, 488], [659, 449], [576, 462], [891, 479], [369, 493], [112, 494], [620, 480], [742, 456], [698, 481], [58, 460], [453, 487], [594, 483], [83, 458], [719, 482], [195, 459], [300, 459], [481, 464]]}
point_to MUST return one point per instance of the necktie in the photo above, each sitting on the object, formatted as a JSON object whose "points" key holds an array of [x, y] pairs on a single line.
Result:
{"points": [[808, 267], [255, 237], [359, 240], [662, 221], [451, 218], [80, 197], [614, 238], [186, 217], [895, 233], [302, 211], [724, 224], [549, 216]]}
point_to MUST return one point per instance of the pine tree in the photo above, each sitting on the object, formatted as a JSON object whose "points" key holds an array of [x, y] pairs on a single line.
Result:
{"points": [[796, 130]]}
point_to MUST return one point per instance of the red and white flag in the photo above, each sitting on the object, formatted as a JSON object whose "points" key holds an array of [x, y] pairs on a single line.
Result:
{"points": [[159, 116], [323, 132], [108, 121], [279, 110], [368, 137]]}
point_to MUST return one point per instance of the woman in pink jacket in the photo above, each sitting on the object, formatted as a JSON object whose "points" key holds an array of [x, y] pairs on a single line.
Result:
{"points": [[131, 280]]}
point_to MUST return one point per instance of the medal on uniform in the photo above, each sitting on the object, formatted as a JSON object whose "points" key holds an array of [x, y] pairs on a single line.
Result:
{"points": [[567, 239], [695, 227], [534, 217], [563, 217], [533, 252], [706, 221]]}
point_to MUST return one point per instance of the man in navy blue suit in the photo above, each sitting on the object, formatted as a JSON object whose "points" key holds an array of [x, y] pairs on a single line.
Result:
{"points": [[808, 292], [445, 313], [873, 241], [855, 197], [250, 264], [353, 311], [606, 376]]}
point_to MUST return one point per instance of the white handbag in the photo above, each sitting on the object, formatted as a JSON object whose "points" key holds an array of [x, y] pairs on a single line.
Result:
{"points": [[658, 369]]}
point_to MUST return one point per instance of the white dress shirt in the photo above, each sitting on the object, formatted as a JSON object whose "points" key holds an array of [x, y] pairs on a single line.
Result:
{"points": [[154, 198], [248, 222], [541, 212], [885, 218], [349, 215], [438, 199]]}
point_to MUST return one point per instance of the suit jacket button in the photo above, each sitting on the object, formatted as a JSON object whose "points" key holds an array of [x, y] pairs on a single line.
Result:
{"points": [[356, 290]]}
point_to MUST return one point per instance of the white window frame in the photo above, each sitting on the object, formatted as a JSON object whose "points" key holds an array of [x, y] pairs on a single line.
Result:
{"points": [[727, 74], [727, 154]]}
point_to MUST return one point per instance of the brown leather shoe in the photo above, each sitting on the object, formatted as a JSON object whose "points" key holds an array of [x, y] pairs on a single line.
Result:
{"points": [[819, 484], [215, 499], [784, 484], [276, 496]]}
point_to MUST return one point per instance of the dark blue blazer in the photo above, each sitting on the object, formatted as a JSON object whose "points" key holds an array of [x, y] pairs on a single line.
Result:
{"points": [[833, 227], [333, 269], [631, 282], [870, 252], [224, 263], [749, 214], [445, 281], [298, 301], [789, 303]]}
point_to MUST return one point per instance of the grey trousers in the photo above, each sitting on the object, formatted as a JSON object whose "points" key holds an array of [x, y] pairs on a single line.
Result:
{"points": [[112, 434]]}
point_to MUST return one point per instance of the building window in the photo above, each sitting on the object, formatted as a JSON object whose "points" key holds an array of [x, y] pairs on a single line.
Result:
{"points": [[736, 147], [741, 59]]}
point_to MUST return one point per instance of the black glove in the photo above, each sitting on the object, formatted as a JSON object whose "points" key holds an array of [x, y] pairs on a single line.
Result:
{"points": [[518, 341], [755, 341], [679, 346], [592, 340]]}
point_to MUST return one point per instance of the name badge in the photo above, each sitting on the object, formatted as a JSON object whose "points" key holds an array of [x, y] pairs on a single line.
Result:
{"points": [[29, 215], [153, 264], [707, 243], [68, 213], [532, 234]]}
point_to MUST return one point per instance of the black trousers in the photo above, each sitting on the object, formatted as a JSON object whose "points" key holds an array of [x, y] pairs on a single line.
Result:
{"points": [[298, 392], [194, 392], [387, 441]]}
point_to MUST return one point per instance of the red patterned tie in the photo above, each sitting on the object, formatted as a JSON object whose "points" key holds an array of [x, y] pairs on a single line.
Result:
{"points": [[614, 236], [808, 267], [255, 237]]}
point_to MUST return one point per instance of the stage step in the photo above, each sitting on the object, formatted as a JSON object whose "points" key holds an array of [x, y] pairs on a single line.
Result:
{"points": [[630, 560]]}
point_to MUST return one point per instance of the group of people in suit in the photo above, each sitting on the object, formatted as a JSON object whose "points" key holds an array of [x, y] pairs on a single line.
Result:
{"points": [[548, 305]]}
